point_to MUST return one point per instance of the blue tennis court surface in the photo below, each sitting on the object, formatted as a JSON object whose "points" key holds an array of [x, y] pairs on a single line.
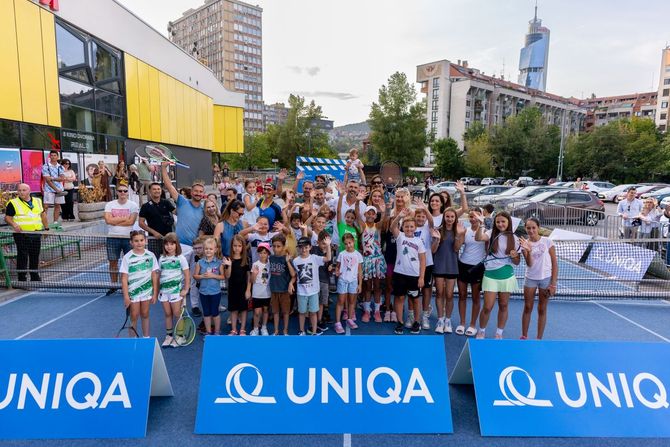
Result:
{"points": [[171, 420]]}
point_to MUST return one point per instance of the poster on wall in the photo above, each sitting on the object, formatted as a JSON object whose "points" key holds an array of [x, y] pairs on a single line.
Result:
{"points": [[31, 167], [10, 169], [91, 162]]}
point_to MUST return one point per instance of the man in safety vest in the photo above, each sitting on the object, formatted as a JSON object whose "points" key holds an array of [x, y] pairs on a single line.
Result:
{"points": [[26, 215]]}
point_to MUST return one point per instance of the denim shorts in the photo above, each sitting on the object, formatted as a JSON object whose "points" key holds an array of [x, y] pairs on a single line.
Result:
{"points": [[538, 283], [346, 286], [308, 303], [116, 245]]}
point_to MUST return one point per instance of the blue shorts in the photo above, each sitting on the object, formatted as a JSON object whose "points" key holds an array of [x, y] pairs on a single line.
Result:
{"points": [[538, 283], [347, 286], [308, 303], [210, 304], [116, 245]]}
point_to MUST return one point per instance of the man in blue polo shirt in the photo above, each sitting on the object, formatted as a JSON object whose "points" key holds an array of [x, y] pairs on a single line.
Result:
{"points": [[189, 215]]}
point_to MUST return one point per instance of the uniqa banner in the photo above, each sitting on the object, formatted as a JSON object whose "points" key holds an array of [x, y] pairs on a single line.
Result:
{"points": [[323, 385], [568, 388], [79, 388]]}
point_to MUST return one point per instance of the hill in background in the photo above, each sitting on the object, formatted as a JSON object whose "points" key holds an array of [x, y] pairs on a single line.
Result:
{"points": [[343, 138]]}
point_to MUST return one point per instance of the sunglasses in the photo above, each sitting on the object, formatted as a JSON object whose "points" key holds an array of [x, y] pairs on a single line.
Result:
{"points": [[122, 190], [376, 183]]}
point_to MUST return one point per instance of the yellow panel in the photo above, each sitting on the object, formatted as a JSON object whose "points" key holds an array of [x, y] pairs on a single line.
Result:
{"points": [[50, 67], [132, 97], [172, 98], [202, 120], [240, 130], [144, 96], [188, 93], [209, 141], [194, 121], [180, 113], [155, 104], [218, 129], [10, 84], [164, 107], [31, 64]]}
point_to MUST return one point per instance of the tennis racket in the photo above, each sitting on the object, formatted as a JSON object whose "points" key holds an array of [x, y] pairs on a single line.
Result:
{"points": [[391, 170], [184, 330], [127, 331], [491, 255], [143, 164], [162, 153]]}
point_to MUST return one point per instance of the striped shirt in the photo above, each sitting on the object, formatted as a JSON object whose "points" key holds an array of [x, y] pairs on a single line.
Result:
{"points": [[139, 268], [172, 275]]}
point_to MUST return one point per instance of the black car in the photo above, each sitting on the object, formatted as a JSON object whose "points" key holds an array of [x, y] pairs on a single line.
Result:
{"points": [[561, 207]]}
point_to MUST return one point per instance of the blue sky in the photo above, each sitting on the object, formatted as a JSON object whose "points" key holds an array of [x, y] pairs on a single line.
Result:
{"points": [[340, 52]]}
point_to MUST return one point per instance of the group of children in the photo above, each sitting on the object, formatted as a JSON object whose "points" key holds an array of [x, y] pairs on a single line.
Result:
{"points": [[373, 245]]}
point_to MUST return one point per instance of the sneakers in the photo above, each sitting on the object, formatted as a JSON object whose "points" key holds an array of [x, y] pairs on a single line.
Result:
{"points": [[322, 326], [318, 331], [439, 328], [399, 329], [168, 341], [254, 332], [264, 331], [481, 335], [523, 337], [178, 341], [460, 329], [387, 317], [499, 336], [232, 333], [378, 316], [196, 312], [447, 326], [174, 343], [416, 328], [301, 333], [425, 324], [410, 319], [338, 328], [352, 324], [394, 317], [366, 317]]}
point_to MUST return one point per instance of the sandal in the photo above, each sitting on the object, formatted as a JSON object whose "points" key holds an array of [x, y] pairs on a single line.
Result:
{"points": [[243, 332], [232, 333], [471, 332], [460, 329]]}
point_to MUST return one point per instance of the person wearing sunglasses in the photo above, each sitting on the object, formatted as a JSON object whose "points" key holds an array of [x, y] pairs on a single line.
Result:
{"points": [[628, 209], [69, 177], [120, 216]]}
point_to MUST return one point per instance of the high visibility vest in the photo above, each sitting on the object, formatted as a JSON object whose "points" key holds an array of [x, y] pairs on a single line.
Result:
{"points": [[28, 219]]}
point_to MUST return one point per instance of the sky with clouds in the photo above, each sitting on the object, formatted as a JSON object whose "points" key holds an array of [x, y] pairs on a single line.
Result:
{"points": [[340, 52]]}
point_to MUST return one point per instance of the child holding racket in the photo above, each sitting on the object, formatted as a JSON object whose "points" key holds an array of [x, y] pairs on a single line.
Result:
{"points": [[209, 271], [139, 280], [541, 275], [174, 284], [499, 280]]}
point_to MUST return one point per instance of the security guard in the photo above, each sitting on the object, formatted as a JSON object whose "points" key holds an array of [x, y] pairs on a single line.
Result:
{"points": [[26, 214]]}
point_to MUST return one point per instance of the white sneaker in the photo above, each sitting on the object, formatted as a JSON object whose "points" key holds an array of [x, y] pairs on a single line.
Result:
{"points": [[410, 319], [254, 332], [168, 341], [264, 331], [439, 329], [447, 326], [179, 341], [425, 324]]}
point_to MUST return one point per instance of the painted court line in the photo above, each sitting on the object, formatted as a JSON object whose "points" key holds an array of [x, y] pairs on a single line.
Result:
{"points": [[59, 317], [632, 322], [4, 303]]}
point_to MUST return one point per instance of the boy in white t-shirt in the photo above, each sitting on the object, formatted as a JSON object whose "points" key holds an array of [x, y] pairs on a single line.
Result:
{"points": [[409, 269], [307, 271]]}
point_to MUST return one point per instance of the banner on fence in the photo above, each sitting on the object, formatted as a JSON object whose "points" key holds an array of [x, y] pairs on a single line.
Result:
{"points": [[568, 388], [278, 385], [79, 388], [313, 166], [621, 260], [573, 251]]}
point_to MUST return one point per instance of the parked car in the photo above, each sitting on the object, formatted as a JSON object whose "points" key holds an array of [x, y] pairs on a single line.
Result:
{"points": [[641, 190], [486, 190], [488, 181], [523, 181], [483, 199], [561, 207], [611, 194], [597, 186], [448, 186], [540, 181], [499, 180], [658, 195], [664, 203], [523, 194], [474, 181]]}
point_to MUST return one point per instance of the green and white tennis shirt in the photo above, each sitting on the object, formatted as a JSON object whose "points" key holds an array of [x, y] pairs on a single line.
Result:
{"points": [[139, 267], [172, 275]]}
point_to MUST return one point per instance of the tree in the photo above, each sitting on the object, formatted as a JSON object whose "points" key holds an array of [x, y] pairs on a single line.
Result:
{"points": [[448, 159], [398, 122], [478, 161], [256, 155], [299, 135], [476, 130]]}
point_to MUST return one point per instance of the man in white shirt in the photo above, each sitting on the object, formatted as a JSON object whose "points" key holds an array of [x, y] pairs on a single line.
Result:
{"points": [[53, 174], [628, 209], [120, 216]]}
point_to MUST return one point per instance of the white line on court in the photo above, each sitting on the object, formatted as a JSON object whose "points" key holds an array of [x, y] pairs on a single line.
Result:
{"points": [[346, 439], [59, 317], [632, 322], [17, 298]]}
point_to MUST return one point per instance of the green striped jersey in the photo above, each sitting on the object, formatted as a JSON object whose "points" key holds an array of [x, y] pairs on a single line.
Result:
{"points": [[172, 275], [139, 267]]}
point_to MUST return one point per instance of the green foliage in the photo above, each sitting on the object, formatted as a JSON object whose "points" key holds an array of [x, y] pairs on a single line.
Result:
{"points": [[478, 162], [298, 136], [476, 130], [398, 122], [448, 159], [257, 154], [622, 151]]}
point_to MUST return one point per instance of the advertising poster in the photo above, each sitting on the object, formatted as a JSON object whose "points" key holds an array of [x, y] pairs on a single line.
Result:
{"points": [[10, 169], [90, 163], [31, 165]]}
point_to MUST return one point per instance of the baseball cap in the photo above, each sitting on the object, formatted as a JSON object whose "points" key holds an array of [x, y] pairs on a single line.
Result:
{"points": [[304, 241], [263, 245], [370, 208]]}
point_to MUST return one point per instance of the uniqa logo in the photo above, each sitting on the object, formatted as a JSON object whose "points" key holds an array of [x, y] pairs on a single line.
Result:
{"points": [[617, 388], [343, 387], [616, 259], [116, 391]]}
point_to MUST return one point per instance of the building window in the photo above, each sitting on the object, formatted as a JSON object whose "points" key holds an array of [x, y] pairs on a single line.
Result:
{"points": [[433, 116], [664, 116], [666, 92], [436, 82], [435, 104], [436, 93], [666, 81], [664, 105], [467, 114], [71, 48]]}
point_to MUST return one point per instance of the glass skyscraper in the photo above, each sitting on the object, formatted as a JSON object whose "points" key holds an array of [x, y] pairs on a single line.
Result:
{"points": [[534, 56]]}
